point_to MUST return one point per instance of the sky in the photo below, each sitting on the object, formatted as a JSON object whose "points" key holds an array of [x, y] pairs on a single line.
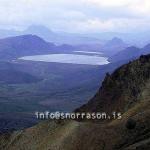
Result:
{"points": [[81, 16]]}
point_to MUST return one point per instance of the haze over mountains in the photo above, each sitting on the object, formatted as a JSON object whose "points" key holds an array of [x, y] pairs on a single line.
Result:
{"points": [[13, 47], [57, 37], [25, 45], [130, 53], [115, 47]]}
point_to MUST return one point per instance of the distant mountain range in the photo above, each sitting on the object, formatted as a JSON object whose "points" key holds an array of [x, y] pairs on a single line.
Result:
{"points": [[23, 45], [138, 39], [50, 36], [14, 47], [130, 53], [18, 46], [70, 41]]}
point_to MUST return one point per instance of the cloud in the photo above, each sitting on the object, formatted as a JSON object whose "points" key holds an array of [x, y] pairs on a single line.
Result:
{"points": [[141, 8], [78, 15], [110, 3]]}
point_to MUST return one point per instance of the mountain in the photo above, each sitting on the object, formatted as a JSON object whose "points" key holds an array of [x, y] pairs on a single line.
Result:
{"points": [[122, 89], [24, 45], [125, 91], [60, 38], [115, 42], [42, 32], [127, 54], [130, 53], [39, 30], [14, 47], [114, 46], [56, 37], [138, 39]]}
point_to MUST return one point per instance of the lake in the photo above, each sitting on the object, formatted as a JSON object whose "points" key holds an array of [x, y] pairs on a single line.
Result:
{"points": [[68, 58], [88, 52]]}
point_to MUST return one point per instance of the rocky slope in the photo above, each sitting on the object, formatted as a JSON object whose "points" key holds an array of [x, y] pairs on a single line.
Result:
{"points": [[121, 90], [126, 90]]}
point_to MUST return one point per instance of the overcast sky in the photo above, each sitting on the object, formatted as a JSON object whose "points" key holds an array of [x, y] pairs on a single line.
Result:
{"points": [[77, 15]]}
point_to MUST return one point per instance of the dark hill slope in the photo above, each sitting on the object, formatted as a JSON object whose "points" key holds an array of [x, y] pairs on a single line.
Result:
{"points": [[126, 90], [16, 77], [122, 89], [14, 47], [130, 53], [9, 75], [127, 54], [24, 45]]}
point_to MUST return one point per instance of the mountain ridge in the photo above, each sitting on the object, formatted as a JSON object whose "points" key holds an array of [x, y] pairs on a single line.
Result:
{"points": [[126, 80], [26, 45], [130, 53], [51, 36]]}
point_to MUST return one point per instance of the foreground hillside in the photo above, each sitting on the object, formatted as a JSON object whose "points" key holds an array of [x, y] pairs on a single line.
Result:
{"points": [[126, 90], [121, 90]]}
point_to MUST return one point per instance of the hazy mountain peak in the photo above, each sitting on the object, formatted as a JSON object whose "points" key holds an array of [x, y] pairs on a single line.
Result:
{"points": [[129, 53], [115, 41], [38, 29]]}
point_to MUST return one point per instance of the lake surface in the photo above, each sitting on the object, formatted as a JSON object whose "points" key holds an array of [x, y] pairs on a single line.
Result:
{"points": [[88, 52], [68, 58]]}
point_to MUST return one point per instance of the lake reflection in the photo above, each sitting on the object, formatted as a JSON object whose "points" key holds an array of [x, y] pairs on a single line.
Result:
{"points": [[68, 58]]}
